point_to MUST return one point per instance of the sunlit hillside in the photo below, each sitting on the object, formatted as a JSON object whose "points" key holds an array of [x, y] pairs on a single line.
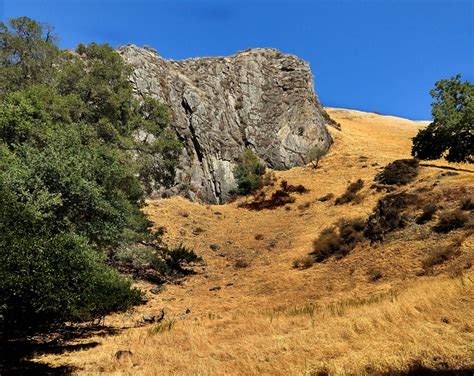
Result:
{"points": [[248, 311]]}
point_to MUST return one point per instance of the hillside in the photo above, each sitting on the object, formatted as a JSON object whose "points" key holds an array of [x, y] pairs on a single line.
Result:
{"points": [[248, 311]]}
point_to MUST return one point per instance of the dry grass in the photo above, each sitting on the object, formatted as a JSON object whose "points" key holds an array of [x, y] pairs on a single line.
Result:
{"points": [[272, 319]]}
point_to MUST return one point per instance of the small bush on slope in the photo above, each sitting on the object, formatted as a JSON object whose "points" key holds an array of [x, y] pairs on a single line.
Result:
{"points": [[350, 194], [280, 197], [399, 172], [338, 240], [428, 211], [451, 220], [248, 173], [388, 215]]}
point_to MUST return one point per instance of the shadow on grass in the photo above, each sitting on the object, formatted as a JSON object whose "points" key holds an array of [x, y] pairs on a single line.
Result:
{"points": [[16, 353]]}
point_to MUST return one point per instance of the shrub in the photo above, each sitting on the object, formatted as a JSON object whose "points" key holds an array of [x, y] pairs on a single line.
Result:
{"points": [[374, 274], [315, 154], [467, 203], [399, 172], [338, 240], [277, 199], [439, 255], [248, 173], [288, 188], [351, 192], [451, 220], [303, 262], [241, 264], [180, 256], [304, 206], [327, 197], [428, 211], [388, 215]]}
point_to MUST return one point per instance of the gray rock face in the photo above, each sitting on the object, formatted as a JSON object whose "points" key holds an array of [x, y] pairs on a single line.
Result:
{"points": [[260, 99]]}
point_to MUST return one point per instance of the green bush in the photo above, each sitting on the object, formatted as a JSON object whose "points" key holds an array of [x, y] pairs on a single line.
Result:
{"points": [[248, 173]]}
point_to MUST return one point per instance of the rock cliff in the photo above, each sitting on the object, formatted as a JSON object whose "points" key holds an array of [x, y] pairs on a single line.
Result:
{"points": [[260, 99]]}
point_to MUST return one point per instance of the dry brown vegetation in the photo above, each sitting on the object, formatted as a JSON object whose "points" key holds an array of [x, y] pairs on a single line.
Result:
{"points": [[400, 305]]}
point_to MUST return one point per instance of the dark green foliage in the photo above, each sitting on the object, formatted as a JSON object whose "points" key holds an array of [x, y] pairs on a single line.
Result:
{"points": [[338, 240], [428, 211], [178, 257], [27, 54], [44, 280], [451, 220], [72, 168], [350, 195], [399, 172], [452, 129], [248, 173], [388, 215]]}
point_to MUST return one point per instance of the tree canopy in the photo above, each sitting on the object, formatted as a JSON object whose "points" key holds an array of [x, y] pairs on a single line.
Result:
{"points": [[451, 134], [73, 173]]}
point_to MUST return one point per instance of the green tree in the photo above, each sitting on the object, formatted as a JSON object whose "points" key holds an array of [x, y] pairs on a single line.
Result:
{"points": [[451, 134], [27, 53], [76, 150]]}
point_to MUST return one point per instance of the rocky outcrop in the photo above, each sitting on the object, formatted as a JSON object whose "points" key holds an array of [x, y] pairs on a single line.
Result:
{"points": [[260, 99]]}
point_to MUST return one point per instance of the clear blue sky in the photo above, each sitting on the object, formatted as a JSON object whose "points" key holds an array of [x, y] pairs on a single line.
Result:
{"points": [[378, 55]]}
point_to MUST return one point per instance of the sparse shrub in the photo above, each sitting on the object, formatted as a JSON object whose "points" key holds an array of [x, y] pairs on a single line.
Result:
{"points": [[161, 327], [374, 274], [451, 220], [241, 264], [315, 154], [153, 262], [180, 256], [259, 237], [327, 197], [304, 206], [303, 262], [351, 193], [248, 173], [467, 203], [399, 172], [428, 211], [338, 240], [439, 255], [288, 188], [388, 215], [280, 197]]}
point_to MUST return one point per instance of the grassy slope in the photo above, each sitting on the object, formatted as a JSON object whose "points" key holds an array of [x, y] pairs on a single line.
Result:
{"points": [[269, 318]]}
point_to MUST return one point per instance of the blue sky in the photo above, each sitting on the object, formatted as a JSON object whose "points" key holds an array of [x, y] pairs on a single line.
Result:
{"points": [[374, 55]]}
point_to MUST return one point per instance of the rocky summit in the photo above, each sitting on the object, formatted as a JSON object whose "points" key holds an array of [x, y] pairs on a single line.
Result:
{"points": [[260, 99]]}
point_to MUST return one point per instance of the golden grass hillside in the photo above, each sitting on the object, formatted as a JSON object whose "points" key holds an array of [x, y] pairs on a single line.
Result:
{"points": [[247, 311]]}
